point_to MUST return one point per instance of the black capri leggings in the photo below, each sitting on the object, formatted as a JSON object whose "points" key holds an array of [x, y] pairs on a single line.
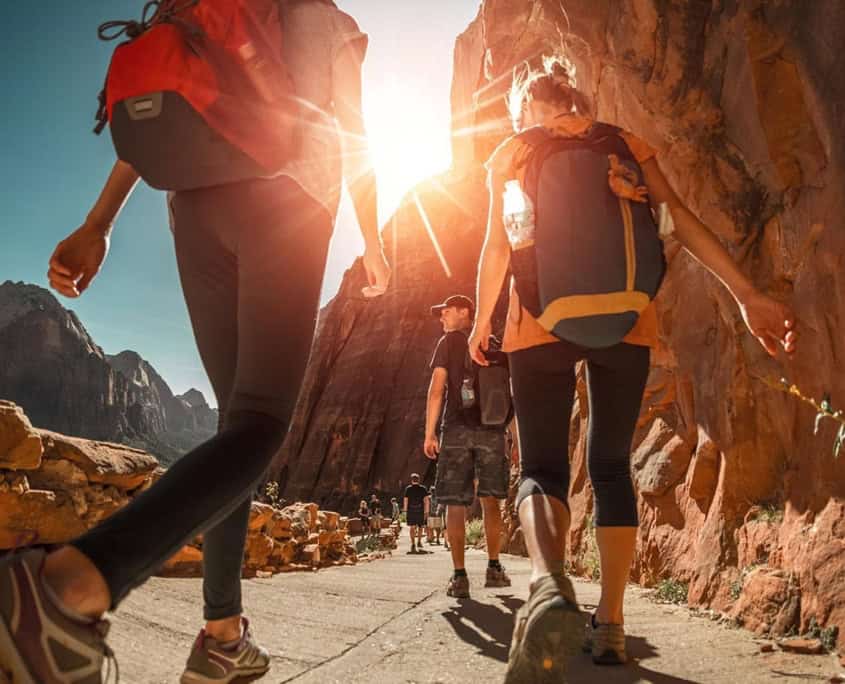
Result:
{"points": [[251, 260], [543, 381]]}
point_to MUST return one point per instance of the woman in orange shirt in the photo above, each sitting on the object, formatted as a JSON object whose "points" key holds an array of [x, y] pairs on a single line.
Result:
{"points": [[549, 625]]}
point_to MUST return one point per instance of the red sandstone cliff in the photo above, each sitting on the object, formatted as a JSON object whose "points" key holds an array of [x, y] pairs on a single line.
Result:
{"points": [[744, 101]]}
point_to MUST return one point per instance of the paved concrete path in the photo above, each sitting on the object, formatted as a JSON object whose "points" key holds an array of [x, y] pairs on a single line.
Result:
{"points": [[390, 621]]}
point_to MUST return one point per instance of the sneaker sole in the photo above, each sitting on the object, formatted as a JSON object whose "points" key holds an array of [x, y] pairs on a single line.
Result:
{"points": [[10, 660], [239, 677], [609, 657], [496, 585], [550, 639], [457, 595]]}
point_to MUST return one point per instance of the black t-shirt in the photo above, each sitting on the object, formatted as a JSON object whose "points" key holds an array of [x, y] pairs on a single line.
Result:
{"points": [[416, 494], [452, 354], [375, 507]]}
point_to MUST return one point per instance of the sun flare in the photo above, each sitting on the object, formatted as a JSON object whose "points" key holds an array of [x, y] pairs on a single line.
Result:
{"points": [[408, 141]]}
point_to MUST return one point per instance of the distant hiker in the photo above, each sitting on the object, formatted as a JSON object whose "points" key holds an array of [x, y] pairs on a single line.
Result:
{"points": [[395, 511], [580, 293], [416, 504], [472, 443], [435, 522], [364, 515], [375, 513], [251, 129]]}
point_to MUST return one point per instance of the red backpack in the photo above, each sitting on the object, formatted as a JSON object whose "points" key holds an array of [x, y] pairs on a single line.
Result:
{"points": [[199, 94]]}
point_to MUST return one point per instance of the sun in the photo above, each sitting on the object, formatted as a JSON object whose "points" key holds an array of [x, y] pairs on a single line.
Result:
{"points": [[409, 140]]}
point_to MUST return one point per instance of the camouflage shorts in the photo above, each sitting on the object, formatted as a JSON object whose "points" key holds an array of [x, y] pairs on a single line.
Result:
{"points": [[466, 454]]}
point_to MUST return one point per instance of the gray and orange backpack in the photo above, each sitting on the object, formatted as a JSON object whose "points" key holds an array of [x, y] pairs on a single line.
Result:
{"points": [[591, 259]]}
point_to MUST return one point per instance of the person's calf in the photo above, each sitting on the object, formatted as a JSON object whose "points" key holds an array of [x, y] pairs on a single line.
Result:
{"points": [[492, 512], [456, 530]]}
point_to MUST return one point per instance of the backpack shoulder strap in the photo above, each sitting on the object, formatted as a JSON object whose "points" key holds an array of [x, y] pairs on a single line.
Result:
{"points": [[600, 137]]}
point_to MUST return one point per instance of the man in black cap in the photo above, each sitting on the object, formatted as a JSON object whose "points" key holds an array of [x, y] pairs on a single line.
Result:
{"points": [[467, 449]]}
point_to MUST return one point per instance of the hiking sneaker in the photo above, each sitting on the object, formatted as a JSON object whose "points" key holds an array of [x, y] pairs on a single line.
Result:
{"points": [[458, 587], [547, 632], [38, 643], [606, 643], [211, 663], [497, 577]]}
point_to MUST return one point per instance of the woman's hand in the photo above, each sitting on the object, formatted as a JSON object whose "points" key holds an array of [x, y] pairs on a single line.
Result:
{"points": [[378, 271], [479, 341], [770, 321], [431, 446], [78, 258]]}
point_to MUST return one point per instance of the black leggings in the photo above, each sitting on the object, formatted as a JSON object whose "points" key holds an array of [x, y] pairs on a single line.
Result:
{"points": [[251, 259], [543, 381]]}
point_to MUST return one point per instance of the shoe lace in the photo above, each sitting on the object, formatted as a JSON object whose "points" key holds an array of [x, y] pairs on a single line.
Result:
{"points": [[111, 660], [102, 628]]}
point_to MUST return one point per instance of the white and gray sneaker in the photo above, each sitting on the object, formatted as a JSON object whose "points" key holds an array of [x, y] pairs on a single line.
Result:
{"points": [[211, 662], [605, 642]]}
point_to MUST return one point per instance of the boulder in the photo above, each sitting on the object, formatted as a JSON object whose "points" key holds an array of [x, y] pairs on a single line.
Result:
{"points": [[283, 553], [37, 517], [258, 550], [102, 462], [20, 444], [260, 516], [802, 646], [769, 602], [310, 554], [187, 562]]}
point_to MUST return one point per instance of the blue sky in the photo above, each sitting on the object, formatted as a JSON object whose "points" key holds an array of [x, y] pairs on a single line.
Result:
{"points": [[53, 167]]}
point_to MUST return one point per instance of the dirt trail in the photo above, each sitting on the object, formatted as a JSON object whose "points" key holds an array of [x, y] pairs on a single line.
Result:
{"points": [[390, 621]]}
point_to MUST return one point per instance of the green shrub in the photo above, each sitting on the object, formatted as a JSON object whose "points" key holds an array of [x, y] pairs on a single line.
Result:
{"points": [[736, 588], [367, 544], [474, 531], [827, 635], [671, 591], [769, 513], [590, 558]]}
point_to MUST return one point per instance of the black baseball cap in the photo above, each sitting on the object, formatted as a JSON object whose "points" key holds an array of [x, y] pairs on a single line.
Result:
{"points": [[458, 301]]}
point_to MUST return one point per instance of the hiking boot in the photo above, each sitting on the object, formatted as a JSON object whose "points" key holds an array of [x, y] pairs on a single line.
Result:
{"points": [[547, 632], [210, 663], [458, 587], [38, 643], [497, 577], [606, 643]]}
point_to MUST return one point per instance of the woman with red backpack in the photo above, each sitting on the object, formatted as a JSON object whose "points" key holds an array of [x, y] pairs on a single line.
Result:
{"points": [[570, 214], [251, 252]]}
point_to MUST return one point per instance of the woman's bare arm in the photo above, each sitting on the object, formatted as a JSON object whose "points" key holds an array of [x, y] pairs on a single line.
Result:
{"points": [[770, 321], [492, 268]]}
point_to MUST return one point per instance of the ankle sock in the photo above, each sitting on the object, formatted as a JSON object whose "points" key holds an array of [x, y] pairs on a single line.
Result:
{"points": [[231, 645], [460, 573], [494, 564]]}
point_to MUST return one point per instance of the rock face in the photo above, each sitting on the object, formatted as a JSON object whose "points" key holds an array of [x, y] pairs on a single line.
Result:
{"points": [[71, 486], [359, 424], [180, 422], [742, 102], [52, 368]]}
